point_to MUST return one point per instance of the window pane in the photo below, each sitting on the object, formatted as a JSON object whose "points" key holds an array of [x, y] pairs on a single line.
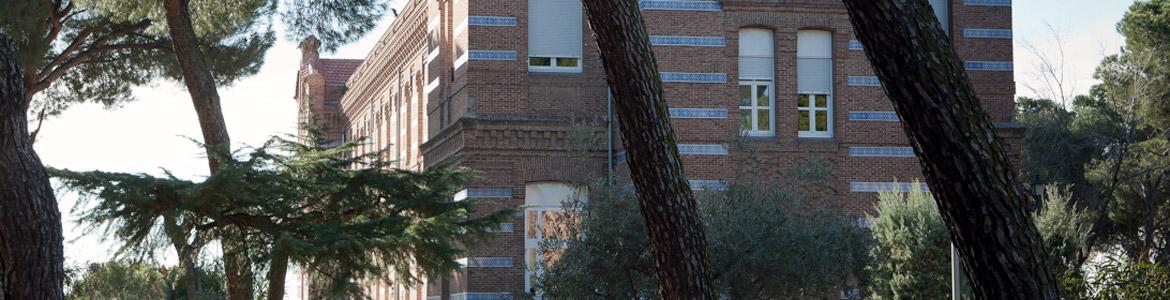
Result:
{"points": [[567, 62], [745, 95], [822, 121], [530, 226], [539, 61], [765, 119], [802, 100], [763, 98], [745, 119], [802, 120], [822, 101]]}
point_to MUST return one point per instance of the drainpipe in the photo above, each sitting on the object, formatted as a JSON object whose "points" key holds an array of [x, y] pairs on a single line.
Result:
{"points": [[609, 135]]}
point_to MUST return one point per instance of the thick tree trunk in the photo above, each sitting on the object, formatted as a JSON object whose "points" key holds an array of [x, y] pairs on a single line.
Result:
{"points": [[965, 164], [667, 203], [31, 253], [204, 95], [277, 272]]}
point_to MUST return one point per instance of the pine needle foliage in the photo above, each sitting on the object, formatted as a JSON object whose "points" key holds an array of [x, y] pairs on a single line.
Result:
{"points": [[339, 215]]}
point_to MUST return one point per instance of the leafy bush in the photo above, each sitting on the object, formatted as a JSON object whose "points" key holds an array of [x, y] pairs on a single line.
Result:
{"points": [[765, 240]]}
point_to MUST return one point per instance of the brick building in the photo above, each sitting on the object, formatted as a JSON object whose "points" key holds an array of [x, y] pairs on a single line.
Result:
{"points": [[497, 85]]}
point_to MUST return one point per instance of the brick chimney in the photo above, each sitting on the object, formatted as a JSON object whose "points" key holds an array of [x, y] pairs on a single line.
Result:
{"points": [[309, 49]]}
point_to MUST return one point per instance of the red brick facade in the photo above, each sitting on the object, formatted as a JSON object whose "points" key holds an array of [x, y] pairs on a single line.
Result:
{"points": [[513, 126]]}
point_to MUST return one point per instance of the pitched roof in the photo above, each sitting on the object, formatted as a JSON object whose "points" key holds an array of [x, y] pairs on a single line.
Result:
{"points": [[336, 71]]}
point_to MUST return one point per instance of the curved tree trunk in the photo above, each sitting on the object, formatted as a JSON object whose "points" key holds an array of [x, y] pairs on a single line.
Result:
{"points": [[667, 203], [31, 253], [204, 95], [965, 164]]}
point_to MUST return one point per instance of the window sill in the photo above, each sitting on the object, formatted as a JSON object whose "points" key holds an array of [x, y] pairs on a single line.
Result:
{"points": [[554, 70], [817, 139]]}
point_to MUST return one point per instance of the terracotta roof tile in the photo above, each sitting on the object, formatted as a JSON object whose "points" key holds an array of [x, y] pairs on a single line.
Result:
{"points": [[337, 71]]}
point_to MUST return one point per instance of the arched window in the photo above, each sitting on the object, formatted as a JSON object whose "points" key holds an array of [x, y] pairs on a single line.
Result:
{"points": [[757, 65], [814, 76], [544, 201]]}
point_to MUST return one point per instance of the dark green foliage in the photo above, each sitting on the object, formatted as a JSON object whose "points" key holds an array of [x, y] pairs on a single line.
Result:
{"points": [[210, 280], [1132, 280], [1054, 149], [1147, 26], [911, 259], [766, 240], [126, 279], [338, 215], [116, 280], [912, 254], [335, 22], [96, 51]]}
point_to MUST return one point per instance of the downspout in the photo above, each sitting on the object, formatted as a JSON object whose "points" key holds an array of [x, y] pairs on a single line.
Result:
{"points": [[609, 136]]}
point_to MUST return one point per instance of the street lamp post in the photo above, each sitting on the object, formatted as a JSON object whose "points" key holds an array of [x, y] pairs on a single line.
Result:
{"points": [[1038, 186]]}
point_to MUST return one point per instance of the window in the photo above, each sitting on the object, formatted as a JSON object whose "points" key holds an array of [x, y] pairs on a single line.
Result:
{"points": [[942, 10], [756, 75], [543, 201], [814, 67], [555, 36]]}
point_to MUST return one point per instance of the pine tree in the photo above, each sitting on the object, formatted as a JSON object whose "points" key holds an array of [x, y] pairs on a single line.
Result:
{"points": [[336, 214]]}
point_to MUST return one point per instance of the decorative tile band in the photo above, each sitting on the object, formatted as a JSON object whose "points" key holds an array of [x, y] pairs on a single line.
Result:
{"points": [[881, 151], [694, 77], [700, 41], [492, 54], [887, 116], [855, 45], [503, 228], [483, 193], [481, 296], [491, 21], [864, 81], [679, 5], [988, 65], [627, 189], [698, 113], [875, 187], [988, 2], [979, 33], [486, 262], [697, 149], [864, 222], [708, 185]]}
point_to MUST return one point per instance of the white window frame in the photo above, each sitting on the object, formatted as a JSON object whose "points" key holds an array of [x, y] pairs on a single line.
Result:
{"points": [[812, 131], [552, 67], [532, 254], [754, 108], [812, 110]]}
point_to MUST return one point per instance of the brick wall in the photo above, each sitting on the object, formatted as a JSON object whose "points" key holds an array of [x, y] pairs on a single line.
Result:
{"points": [[514, 126]]}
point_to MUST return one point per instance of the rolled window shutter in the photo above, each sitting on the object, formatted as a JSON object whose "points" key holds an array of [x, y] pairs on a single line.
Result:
{"points": [[756, 58], [814, 75], [942, 10], [814, 62], [555, 28]]}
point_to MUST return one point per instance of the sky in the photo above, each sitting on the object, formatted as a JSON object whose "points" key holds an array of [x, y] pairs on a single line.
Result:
{"points": [[151, 134]]}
